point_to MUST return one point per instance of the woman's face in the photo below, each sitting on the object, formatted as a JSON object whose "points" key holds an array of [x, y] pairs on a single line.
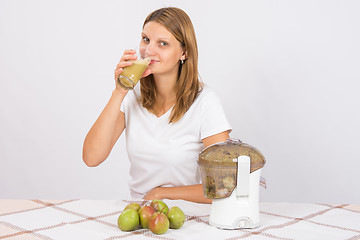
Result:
{"points": [[162, 47]]}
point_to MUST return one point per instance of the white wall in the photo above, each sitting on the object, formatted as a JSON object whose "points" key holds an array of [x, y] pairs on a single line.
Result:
{"points": [[287, 73]]}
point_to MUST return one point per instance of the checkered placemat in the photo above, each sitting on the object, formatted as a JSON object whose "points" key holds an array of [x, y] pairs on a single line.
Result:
{"points": [[94, 219]]}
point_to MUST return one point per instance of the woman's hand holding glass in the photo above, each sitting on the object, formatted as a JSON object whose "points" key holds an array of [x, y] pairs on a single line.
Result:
{"points": [[124, 62], [132, 66]]}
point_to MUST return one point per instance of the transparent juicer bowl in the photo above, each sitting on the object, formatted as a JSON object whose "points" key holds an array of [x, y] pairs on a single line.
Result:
{"points": [[218, 166]]}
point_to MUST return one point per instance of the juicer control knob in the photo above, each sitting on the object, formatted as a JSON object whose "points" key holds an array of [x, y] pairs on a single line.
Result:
{"points": [[242, 223], [245, 223]]}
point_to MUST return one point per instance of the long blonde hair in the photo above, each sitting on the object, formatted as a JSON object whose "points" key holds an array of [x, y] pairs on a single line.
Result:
{"points": [[188, 85]]}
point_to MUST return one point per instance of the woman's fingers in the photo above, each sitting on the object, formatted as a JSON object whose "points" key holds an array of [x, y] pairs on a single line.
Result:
{"points": [[128, 57], [125, 61], [117, 72], [129, 54], [129, 51], [123, 64]]}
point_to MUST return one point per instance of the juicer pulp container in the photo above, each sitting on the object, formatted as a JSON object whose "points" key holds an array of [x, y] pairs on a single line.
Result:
{"points": [[218, 166]]}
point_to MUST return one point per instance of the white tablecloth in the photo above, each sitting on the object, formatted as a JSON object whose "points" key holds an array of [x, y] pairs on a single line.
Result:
{"points": [[95, 219]]}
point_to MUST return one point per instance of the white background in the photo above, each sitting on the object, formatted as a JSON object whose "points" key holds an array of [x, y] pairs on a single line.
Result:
{"points": [[287, 73]]}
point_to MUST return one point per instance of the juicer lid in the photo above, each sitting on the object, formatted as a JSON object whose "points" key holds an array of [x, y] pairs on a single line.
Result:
{"points": [[222, 154]]}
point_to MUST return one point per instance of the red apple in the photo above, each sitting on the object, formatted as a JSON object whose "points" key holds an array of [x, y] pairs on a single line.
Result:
{"points": [[134, 206], [159, 206], [145, 213], [159, 223]]}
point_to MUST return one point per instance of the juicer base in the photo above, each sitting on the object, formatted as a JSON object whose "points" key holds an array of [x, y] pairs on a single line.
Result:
{"points": [[241, 223]]}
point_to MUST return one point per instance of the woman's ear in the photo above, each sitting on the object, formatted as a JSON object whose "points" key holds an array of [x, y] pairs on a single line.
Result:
{"points": [[184, 56]]}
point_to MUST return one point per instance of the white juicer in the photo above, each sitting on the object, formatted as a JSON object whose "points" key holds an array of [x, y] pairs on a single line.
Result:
{"points": [[230, 173]]}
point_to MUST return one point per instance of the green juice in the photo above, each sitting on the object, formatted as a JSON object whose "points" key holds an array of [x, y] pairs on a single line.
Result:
{"points": [[132, 74]]}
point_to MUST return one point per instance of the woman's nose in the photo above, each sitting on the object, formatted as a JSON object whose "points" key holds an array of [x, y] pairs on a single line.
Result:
{"points": [[150, 50]]}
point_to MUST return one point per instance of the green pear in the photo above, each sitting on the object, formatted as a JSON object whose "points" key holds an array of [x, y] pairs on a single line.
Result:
{"points": [[159, 223], [145, 213], [159, 206], [134, 206], [128, 220], [176, 217]]}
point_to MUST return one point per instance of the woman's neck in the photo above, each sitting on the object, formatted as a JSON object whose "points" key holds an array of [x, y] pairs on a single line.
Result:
{"points": [[166, 94], [165, 86]]}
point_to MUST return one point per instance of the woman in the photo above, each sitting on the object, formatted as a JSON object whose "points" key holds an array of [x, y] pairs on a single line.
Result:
{"points": [[168, 119]]}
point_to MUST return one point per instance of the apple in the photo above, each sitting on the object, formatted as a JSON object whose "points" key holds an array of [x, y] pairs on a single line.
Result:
{"points": [[128, 220], [159, 223], [134, 206], [145, 213], [176, 217], [159, 206]]}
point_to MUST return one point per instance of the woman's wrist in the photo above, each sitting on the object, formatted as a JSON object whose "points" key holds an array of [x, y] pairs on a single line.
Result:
{"points": [[159, 193], [119, 94], [155, 193]]}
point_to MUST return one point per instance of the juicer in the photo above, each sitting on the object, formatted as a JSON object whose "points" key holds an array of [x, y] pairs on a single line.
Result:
{"points": [[230, 173]]}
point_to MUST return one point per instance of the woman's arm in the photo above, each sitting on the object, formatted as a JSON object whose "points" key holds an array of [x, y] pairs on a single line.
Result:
{"points": [[220, 137], [105, 131], [192, 193], [111, 123]]}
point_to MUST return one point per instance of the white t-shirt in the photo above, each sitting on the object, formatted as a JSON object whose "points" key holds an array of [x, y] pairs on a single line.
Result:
{"points": [[163, 154]]}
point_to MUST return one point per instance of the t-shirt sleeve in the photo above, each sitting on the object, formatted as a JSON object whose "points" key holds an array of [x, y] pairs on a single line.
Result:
{"points": [[213, 120], [130, 99], [125, 103]]}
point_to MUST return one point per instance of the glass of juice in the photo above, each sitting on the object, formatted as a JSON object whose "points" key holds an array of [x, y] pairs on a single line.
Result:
{"points": [[132, 74]]}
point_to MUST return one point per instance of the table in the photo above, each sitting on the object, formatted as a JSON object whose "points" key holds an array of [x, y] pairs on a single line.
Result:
{"points": [[97, 219]]}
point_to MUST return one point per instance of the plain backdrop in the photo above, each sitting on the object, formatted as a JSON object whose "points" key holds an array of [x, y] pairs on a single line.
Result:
{"points": [[287, 73]]}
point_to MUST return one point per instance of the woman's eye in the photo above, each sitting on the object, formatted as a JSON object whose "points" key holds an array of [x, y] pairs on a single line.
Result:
{"points": [[163, 43], [145, 39]]}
